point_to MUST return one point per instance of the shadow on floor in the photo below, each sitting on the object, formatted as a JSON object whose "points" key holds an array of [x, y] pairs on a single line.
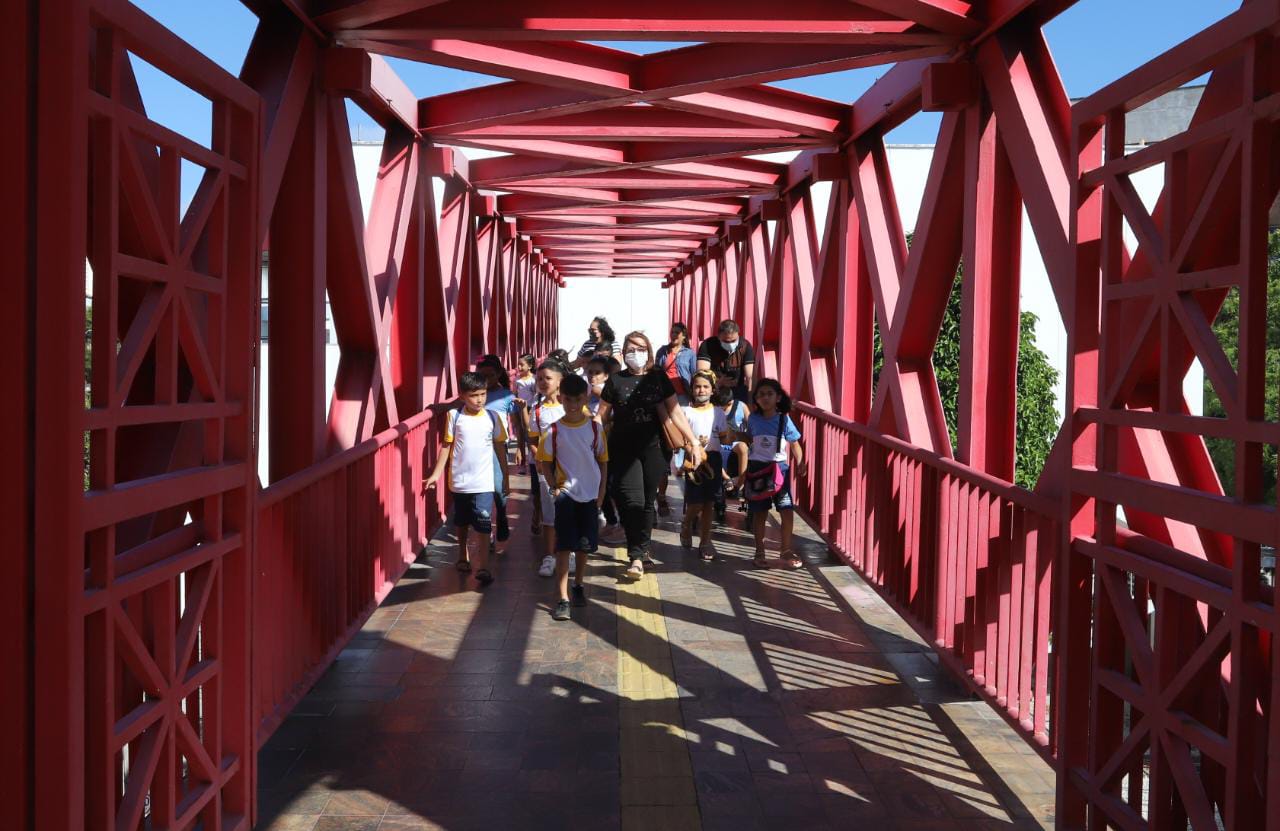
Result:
{"points": [[778, 699]]}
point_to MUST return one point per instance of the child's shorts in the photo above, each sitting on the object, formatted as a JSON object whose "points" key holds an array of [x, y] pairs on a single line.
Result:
{"points": [[700, 493], [474, 510], [780, 500], [577, 524]]}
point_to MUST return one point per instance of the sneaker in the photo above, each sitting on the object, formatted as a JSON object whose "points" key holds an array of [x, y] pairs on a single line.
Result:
{"points": [[579, 595], [635, 571], [561, 611], [548, 566], [613, 535]]}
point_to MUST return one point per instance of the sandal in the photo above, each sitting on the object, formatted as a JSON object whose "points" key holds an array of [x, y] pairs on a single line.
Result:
{"points": [[463, 566], [791, 561], [484, 577], [761, 560], [708, 551]]}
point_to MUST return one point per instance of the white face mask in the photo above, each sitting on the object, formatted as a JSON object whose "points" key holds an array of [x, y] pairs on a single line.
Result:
{"points": [[636, 360], [729, 346]]}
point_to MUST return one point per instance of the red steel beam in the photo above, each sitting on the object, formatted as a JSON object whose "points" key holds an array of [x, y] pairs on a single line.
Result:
{"points": [[762, 21]]}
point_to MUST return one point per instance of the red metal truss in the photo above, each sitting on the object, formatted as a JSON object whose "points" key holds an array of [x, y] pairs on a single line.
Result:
{"points": [[169, 608]]}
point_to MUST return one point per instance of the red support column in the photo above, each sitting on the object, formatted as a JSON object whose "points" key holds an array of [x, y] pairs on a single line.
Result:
{"points": [[990, 318], [296, 385], [60, 175]]}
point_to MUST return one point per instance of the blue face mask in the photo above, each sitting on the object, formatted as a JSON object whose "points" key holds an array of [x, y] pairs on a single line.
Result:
{"points": [[729, 346]]}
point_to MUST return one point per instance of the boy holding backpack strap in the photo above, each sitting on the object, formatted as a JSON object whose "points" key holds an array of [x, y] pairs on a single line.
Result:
{"points": [[774, 454], [472, 437], [574, 460]]}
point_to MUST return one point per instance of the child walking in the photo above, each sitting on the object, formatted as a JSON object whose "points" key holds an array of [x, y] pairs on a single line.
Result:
{"points": [[735, 413], [774, 454], [704, 484], [472, 437], [575, 460], [546, 412], [526, 397], [526, 383], [599, 369]]}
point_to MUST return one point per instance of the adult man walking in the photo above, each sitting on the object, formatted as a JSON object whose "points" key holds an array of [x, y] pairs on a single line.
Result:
{"points": [[728, 349]]}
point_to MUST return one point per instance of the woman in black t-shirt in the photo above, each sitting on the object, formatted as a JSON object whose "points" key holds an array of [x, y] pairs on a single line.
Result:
{"points": [[636, 401]]}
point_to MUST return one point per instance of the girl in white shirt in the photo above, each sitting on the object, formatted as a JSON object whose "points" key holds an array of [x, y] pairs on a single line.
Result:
{"points": [[526, 383], [703, 485]]}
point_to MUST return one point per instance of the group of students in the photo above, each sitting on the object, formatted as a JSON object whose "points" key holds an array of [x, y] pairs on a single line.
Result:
{"points": [[599, 449]]}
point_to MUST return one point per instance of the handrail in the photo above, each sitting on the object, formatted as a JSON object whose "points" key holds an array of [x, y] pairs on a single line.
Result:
{"points": [[295, 482], [967, 559], [1006, 490]]}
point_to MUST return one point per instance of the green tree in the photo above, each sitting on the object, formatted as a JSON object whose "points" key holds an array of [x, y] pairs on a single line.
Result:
{"points": [[1227, 327], [1037, 419]]}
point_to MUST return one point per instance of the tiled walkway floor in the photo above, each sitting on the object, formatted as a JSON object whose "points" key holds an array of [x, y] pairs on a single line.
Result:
{"points": [[706, 696]]}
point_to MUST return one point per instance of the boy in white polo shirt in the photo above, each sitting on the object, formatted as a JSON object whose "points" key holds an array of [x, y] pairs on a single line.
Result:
{"points": [[574, 459], [472, 437]]}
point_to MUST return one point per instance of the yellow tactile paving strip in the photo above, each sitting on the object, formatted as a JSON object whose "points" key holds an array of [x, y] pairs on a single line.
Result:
{"points": [[657, 778]]}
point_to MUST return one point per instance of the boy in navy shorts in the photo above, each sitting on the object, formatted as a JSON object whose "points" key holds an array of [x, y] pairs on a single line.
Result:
{"points": [[574, 459], [472, 437]]}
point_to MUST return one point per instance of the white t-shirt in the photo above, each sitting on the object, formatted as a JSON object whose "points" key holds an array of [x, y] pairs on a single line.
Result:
{"points": [[541, 417], [473, 438], [577, 450], [766, 444], [527, 389], [706, 422]]}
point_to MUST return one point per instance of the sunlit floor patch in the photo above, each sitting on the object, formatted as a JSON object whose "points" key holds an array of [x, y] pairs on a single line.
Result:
{"points": [[657, 777]]}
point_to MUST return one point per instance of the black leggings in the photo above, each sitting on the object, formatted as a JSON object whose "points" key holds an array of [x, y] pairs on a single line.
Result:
{"points": [[634, 476]]}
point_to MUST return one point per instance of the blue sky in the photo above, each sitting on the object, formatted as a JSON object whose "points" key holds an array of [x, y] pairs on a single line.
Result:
{"points": [[1093, 43]]}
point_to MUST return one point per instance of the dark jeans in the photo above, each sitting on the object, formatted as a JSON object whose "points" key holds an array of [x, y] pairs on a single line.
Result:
{"points": [[634, 476]]}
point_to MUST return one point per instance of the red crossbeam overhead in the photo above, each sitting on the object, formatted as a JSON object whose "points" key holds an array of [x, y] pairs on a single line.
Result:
{"points": [[665, 136]]}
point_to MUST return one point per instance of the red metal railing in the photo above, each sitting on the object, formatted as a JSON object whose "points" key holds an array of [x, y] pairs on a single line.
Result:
{"points": [[331, 542], [967, 559]]}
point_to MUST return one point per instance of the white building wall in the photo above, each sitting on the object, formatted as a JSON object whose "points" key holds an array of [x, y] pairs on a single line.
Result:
{"points": [[629, 303]]}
